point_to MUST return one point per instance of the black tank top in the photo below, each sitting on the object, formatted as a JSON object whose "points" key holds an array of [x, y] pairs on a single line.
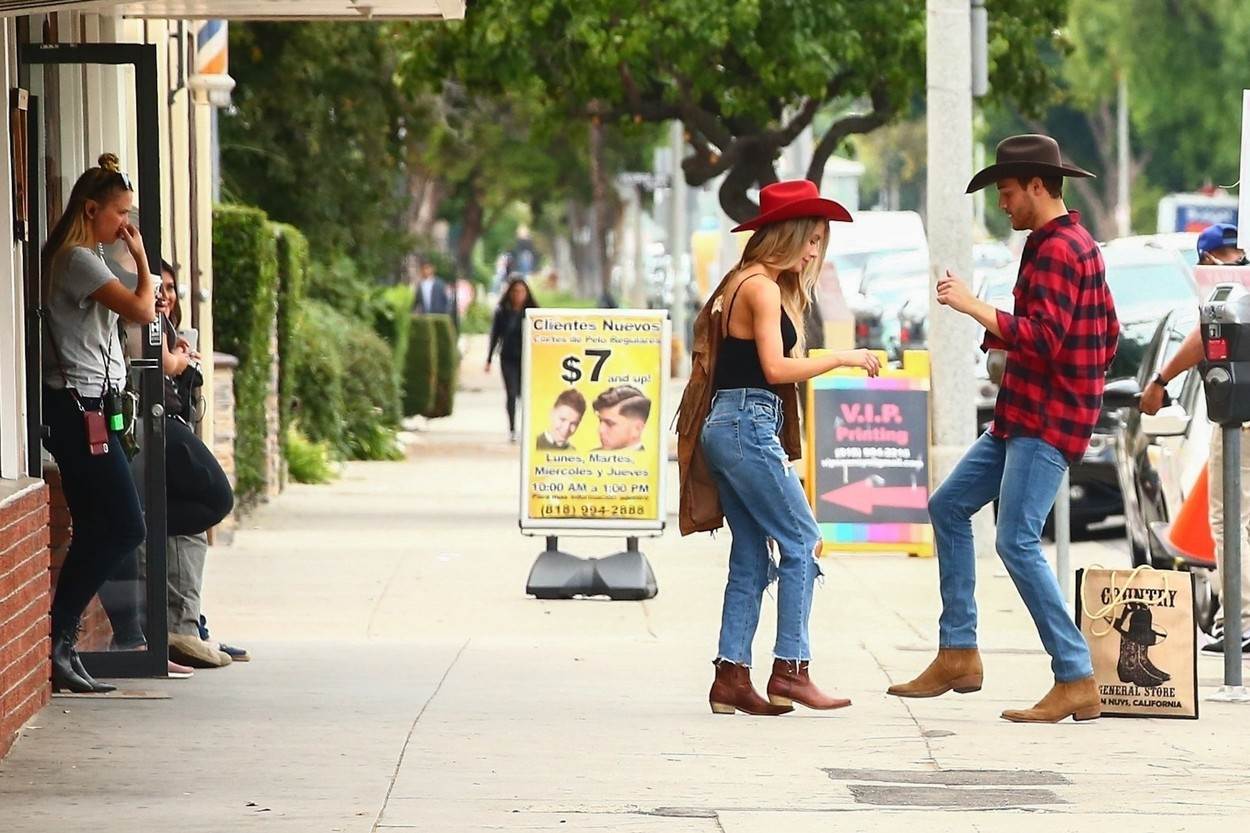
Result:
{"points": [[738, 365]]}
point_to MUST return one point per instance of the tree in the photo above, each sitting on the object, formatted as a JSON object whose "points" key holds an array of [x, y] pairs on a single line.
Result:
{"points": [[315, 136], [745, 78]]}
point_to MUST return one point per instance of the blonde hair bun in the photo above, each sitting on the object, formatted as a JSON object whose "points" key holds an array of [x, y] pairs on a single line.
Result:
{"points": [[110, 162]]}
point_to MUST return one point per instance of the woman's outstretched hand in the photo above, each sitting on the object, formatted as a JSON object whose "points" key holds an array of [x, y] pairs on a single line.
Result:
{"points": [[863, 358]]}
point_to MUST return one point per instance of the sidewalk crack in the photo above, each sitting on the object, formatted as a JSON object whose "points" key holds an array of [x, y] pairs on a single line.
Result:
{"points": [[907, 706], [412, 730]]}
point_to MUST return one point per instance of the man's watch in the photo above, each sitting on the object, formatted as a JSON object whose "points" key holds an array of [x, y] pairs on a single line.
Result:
{"points": [[1159, 380]]}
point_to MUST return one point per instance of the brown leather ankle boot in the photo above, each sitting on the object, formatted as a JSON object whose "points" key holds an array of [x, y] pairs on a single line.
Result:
{"points": [[954, 668], [790, 684], [1078, 699], [732, 690]]}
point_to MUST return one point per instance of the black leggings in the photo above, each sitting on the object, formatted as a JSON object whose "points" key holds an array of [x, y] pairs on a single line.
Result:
{"points": [[511, 370], [103, 507]]}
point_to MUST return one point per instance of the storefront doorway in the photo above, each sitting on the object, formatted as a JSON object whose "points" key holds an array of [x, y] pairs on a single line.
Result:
{"points": [[131, 640]]}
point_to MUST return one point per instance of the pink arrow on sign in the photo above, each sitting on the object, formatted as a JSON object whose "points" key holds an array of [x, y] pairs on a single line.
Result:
{"points": [[864, 497]]}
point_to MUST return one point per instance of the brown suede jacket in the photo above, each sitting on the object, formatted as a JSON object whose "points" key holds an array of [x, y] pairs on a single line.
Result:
{"points": [[700, 503]]}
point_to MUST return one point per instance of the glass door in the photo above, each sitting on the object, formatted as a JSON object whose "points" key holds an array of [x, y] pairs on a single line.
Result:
{"points": [[125, 629]]}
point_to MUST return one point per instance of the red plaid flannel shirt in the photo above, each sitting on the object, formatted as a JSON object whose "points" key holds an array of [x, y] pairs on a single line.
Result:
{"points": [[1059, 342]]}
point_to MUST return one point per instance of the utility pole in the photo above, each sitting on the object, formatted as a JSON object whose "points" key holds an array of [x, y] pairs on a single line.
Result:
{"points": [[1123, 210], [953, 336], [679, 239]]}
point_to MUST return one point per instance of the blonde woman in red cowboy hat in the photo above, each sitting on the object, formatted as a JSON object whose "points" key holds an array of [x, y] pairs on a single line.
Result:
{"points": [[738, 428]]}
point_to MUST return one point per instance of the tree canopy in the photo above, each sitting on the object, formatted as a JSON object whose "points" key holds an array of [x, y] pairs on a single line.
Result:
{"points": [[745, 78]]}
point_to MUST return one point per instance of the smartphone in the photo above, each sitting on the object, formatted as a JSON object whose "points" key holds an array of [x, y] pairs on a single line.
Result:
{"points": [[192, 335]]}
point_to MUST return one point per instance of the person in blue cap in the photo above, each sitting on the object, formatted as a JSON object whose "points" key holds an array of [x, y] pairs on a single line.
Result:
{"points": [[1217, 246]]}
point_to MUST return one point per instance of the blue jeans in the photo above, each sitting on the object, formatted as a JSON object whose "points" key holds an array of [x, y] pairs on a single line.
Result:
{"points": [[763, 500], [1024, 474]]}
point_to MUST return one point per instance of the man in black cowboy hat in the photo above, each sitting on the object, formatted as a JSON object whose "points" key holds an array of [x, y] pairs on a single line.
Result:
{"points": [[1059, 340]]}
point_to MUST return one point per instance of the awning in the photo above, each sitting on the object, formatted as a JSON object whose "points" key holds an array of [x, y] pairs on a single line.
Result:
{"points": [[251, 9], [295, 9]]}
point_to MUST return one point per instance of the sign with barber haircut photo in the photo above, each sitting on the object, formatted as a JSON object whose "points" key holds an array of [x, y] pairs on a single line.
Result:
{"points": [[1140, 627], [593, 449]]}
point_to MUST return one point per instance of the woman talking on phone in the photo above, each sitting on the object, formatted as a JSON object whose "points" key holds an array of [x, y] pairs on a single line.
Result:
{"points": [[738, 426], [84, 372]]}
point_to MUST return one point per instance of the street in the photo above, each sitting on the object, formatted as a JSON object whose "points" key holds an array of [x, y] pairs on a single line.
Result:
{"points": [[403, 681]]}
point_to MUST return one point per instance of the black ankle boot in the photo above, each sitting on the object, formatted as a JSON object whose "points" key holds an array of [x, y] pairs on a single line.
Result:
{"points": [[64, 677], [96, 686]]}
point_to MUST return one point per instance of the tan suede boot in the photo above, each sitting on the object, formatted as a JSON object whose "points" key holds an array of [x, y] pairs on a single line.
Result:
{"points": [[957, 669], [1078, 700]]}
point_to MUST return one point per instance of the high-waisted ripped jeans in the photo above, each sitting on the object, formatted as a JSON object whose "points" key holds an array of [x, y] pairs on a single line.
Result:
{"points": [[763, 502]]}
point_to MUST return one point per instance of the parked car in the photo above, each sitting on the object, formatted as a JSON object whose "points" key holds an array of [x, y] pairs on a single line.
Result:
{"points": [[1147, 283], [873, 235], [889, 281], [1159, 458]]}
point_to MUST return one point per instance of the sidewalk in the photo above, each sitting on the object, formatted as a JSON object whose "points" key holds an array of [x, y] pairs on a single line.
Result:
{"points": [[403, 681]]}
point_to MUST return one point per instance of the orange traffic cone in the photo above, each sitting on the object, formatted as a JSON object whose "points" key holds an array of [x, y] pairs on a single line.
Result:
{"points": [[1191, 531]]}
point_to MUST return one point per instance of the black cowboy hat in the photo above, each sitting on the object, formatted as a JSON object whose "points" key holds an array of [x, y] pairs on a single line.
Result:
{"points": [[1141, 627], [1027, 155]]}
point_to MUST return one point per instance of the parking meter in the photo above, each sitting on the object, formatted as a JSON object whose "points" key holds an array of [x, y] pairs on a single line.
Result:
{"points": [[1225, 324]]}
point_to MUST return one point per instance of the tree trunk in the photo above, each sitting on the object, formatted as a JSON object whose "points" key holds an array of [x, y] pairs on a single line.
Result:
{"points": [[756, 167], [470, 231], [425, 196], [581, 237], [600, 211]]}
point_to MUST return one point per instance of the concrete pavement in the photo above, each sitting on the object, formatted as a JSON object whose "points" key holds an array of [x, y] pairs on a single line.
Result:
{"points": [[402, 681]]}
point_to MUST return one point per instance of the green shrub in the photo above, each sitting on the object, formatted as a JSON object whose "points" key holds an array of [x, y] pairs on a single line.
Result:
{"points": [[419, 366], [245, 278], [477, 319], [347, 387], [292, 254], [308, 461], [318, 385], [340, 284], [446, 364], [392, 312], [370, 394]]}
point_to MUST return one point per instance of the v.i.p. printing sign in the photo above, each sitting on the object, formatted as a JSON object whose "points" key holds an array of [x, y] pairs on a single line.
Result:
{"points": [[868, 449]]}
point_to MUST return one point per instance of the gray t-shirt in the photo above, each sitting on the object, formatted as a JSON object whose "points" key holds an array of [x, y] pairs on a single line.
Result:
{"points": [[85, 330]]}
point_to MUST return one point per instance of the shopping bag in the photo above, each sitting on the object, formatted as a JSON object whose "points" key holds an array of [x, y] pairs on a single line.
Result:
{"points": [[1140, 627]]}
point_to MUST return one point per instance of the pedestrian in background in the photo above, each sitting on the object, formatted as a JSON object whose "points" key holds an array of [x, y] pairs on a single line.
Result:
{"points": [[1059, 341], [1217, 246], [434, 296], [506, 332], [739, 422]]}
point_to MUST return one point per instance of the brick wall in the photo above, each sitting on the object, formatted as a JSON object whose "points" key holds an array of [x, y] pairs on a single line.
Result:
{"points": [[24, 603]]}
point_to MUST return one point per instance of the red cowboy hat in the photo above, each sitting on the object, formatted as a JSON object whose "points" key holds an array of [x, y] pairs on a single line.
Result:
{"points": [[793, 198]]}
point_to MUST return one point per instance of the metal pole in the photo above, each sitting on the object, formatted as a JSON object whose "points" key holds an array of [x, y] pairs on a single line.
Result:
{"points": [[1233, 690], [1063, 536], [677, 245], [1123, 212], [1232, 555]]}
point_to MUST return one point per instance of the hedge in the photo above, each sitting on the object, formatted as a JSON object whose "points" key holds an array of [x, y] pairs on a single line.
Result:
{"points": [[318, 383], [446, 364], [419, 366], [245, 279], [347, 388], [392, 315], [292, 254]]}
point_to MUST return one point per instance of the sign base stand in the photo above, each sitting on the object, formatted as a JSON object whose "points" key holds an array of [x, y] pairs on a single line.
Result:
{"points": [[625, 576]]}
